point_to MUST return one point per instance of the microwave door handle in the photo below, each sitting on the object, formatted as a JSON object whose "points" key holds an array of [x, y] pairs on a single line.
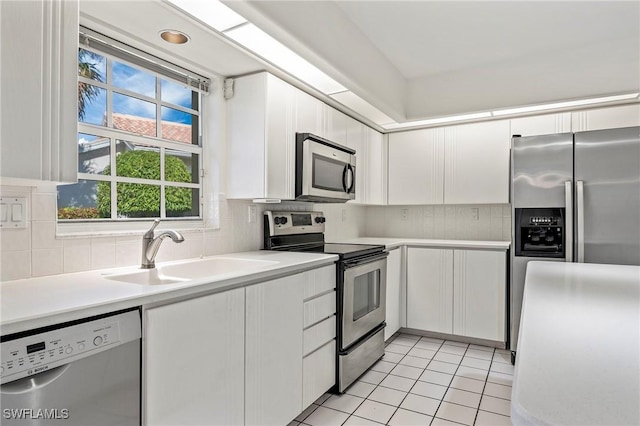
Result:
{"points": [[351, 178], [344, 178]]}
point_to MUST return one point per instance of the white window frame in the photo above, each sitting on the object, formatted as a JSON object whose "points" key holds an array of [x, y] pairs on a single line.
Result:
{"points": [[161, 70]]}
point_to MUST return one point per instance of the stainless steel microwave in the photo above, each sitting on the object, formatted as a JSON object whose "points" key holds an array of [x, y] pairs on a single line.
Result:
{"points": [[325, 170]]}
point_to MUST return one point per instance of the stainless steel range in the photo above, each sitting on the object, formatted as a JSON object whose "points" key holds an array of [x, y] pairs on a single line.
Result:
{"points": [[361, 288]]}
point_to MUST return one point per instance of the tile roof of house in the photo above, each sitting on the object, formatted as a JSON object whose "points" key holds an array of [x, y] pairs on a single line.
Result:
{"points": [[178, 132]]}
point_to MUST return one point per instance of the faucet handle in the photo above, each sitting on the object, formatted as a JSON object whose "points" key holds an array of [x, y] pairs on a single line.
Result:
{"points": [[149, 233]]}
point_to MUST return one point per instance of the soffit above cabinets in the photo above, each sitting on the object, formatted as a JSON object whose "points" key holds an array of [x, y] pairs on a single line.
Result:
{"points": [[407, 61]]}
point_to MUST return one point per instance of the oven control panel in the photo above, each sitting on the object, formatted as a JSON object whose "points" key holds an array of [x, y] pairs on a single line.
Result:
{"points": [[25, 356], [287, 223]]}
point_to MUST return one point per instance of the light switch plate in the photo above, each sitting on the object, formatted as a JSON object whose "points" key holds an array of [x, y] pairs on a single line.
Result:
{"points": [[13, 212]]}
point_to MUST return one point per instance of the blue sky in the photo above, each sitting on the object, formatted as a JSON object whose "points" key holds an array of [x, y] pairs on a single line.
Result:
{"points": [[138, 81]]}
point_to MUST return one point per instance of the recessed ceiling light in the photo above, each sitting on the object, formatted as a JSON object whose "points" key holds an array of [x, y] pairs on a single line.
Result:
{"points": [[174, 36]]}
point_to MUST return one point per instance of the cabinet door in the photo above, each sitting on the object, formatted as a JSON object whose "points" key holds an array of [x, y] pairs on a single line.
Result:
{"points": [[376, 168], [430, 289], [281, 140], [479, 288], [194, 361], [394, 277], [39, 69], [547, 124], [336, 126], [310, 113], [477, 163], [273, 367], [606, 118], [416, 167], [319, 373]]}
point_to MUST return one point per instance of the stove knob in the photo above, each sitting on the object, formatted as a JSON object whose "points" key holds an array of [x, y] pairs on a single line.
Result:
{"points": [[97, 341], [276, 221], [318, 219], [283, 220], [323, 220]]}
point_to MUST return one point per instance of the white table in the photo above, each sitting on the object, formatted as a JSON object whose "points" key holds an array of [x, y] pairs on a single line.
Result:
{"points": [[578, 359]]}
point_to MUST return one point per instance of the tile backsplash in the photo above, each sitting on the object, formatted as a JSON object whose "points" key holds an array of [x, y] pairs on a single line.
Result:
{"points": [[451, 222], [36, 250]]}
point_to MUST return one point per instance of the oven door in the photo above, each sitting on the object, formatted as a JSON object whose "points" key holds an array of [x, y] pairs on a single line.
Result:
{"points": [[327, 173], [363, 298]]}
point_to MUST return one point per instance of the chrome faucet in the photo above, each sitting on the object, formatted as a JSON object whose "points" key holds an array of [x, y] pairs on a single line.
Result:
{"points": [[151, 244]]}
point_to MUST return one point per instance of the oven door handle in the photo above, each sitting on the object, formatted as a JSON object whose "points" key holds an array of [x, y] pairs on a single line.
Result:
{"points": [[353, 263]]}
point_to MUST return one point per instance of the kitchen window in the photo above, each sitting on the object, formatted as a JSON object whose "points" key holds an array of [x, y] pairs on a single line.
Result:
{"points": [[139, 137]]}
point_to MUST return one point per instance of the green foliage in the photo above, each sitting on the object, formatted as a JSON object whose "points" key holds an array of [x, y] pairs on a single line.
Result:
{"points": [[78, 213], [138, 200]]}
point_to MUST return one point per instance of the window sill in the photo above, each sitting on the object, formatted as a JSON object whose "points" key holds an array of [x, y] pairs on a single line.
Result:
{"points": [[68, 230]]}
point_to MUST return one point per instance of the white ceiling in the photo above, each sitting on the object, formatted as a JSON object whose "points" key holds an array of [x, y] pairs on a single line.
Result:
{"points": [[423, 59], [414, 59]]}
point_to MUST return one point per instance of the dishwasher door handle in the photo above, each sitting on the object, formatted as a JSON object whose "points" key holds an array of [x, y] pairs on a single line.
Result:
{"points": [[35, 382]]}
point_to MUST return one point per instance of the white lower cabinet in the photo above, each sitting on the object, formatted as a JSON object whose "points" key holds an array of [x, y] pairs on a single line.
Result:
{"points": [[394, 293], [193, 361], [243, 356], [479, 292], [430, 289], [273, 351], [460, 292]]}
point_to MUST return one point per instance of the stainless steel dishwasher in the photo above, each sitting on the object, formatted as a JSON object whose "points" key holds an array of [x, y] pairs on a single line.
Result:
{"points": [[84, 372]]}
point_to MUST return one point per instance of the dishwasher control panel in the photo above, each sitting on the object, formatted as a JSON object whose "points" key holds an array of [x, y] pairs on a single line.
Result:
{"points": [[27, 355]]}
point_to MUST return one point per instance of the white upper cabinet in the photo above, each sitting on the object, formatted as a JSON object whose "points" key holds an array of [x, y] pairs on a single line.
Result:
{"points": [[606, 118], [416, 167], [547, 124], [39, 68], [376, 167], [335, 126], [476, 169], [262, 124], [310, 113], [264, 115]]}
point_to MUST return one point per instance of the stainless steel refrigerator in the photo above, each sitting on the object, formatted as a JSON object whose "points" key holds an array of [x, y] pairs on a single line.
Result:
{"points": [[575, 198]]}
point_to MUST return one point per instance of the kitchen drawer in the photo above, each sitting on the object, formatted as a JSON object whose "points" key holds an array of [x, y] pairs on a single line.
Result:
{"points": [[318, 373], [315, 310], [319, 334], [320, 281]]}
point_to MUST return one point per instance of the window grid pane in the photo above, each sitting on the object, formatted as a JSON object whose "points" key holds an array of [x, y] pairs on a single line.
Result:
{"points": [[150, 179]]}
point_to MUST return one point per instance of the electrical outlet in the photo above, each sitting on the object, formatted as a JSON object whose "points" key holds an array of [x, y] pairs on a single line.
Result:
{"points": [[475, 215], [253, 214], [404, 214], [344, 215]]}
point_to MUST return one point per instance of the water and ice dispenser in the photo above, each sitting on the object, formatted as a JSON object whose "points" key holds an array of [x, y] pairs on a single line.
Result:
{"points": [[540, 232]]}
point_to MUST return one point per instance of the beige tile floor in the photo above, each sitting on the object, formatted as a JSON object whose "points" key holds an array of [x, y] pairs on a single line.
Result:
{"points": [[423, 381]]}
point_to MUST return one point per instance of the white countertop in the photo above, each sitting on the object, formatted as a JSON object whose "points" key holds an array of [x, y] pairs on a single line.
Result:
{"points": [[578, 359], [37, 302], [391, 243]]}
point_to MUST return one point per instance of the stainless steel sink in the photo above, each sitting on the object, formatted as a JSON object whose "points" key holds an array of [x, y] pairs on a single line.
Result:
{"points": [[187, 271]]}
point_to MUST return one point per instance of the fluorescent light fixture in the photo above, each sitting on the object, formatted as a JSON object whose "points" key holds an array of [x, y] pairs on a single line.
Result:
{"points": [[212, 13], [256, 40], [440, 120], [362, 107], [568, 104]]}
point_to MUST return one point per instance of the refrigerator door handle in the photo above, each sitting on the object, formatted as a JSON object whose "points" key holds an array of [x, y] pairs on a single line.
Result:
{"points": [[580, 221], [568, 234]]}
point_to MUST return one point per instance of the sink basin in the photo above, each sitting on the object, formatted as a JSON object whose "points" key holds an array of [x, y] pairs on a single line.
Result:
{"points": [[216, 266], [181, 272], [146, 277]]}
